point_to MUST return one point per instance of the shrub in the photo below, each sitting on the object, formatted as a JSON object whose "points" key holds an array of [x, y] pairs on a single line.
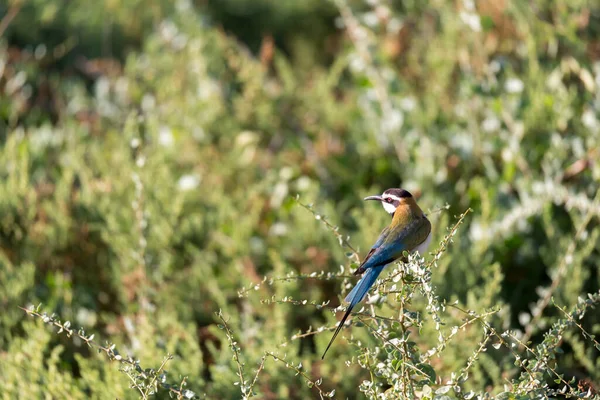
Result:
{"points": [[153, 202]]}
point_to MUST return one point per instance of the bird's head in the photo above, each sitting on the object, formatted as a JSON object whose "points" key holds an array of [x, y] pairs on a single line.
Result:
{"points": [[391, 199]]}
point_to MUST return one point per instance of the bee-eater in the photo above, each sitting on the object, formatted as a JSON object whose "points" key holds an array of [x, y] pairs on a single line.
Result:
{"points": [[409, 231]]}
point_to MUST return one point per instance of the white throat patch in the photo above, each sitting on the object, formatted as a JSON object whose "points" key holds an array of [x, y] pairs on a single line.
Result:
{"points": [[390, 208]]}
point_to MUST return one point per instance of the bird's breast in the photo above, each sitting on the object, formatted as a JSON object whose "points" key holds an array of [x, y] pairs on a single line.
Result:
{"points": [[422, 248]]}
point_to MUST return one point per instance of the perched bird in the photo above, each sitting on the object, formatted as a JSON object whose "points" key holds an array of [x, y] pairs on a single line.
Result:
{"points": [[409, 231]]}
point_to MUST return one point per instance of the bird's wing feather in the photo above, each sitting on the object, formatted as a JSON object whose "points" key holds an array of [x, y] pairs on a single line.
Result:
{"points": [[378, 243], [389, 246], [417, 234], [396, 240]]}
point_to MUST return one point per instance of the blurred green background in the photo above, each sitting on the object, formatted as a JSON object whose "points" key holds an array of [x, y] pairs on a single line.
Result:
{"points": [[151, 152]]}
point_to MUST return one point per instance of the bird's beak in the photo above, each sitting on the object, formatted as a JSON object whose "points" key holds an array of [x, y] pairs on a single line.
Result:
{"points": [[378, 198]]}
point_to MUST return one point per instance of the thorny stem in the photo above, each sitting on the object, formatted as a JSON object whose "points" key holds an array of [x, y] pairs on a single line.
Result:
{"points": [[316, 384], [405, 352], [530, 350], [181, 385], [162, 366], [383, 338], [292, 277], [500, 338], [515, 354], [111, 353], [539, 310], [468, 322], [310, 332], [261, 365], [438, 209], [585, 333], [473, 358], [236, 354], [134, 384], [336, 231], [320, 306]]}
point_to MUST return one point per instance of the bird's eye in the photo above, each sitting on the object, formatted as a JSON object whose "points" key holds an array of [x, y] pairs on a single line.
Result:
{"points": [[388, 200]]}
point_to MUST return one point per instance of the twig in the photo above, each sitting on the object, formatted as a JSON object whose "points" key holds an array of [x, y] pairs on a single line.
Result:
{"points": [[405, 353], [585, 333], [519, 361], [181, 385], [402, 351], [111, 352], [473, 357], [322, 275], [261, 365], [10, 15], [298, 369], [134, 384], [439, 348], [438, 209], [236, 354], [162, 366], [336, 230], [501, 339], [539, 309]]}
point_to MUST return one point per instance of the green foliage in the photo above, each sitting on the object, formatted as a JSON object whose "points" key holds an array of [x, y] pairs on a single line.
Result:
{"points": [[155, 168]]}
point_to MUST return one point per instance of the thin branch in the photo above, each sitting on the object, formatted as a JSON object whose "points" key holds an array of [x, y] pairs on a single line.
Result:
{"points": [[162, 366], [439, 348], [236, 353], [322, 275], [562, 269], [585, 333], [10, 15], [336, 230], [523, 363], [402, 351], [261, 365], [111, 353], [298, 369]]}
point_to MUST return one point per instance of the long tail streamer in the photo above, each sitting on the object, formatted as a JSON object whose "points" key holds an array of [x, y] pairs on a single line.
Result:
{"points": [[355, 296]]}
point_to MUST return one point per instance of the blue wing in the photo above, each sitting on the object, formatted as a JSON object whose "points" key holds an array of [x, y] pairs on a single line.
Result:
{"points": [[362, 287], [382, 237], [394, 241], [388, 247], [384, 251]]}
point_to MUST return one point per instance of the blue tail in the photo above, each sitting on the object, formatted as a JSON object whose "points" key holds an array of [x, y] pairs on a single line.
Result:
{"points": [[362, 287], [355, 296]]}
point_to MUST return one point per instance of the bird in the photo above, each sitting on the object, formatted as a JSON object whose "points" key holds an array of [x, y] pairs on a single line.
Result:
{"points": [[410, 231]]}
